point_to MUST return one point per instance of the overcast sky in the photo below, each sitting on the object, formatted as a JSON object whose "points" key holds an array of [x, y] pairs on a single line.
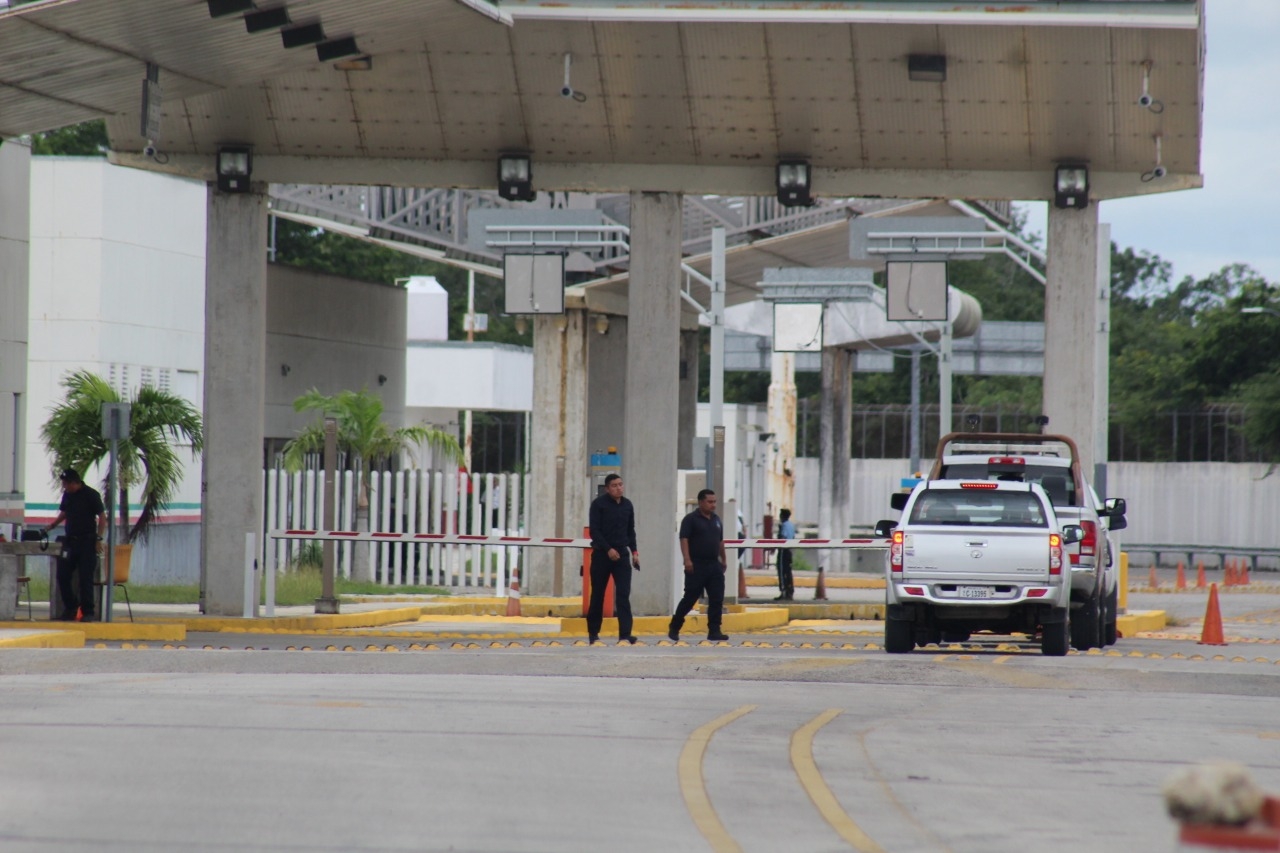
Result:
{"points": [[1233, 219]]}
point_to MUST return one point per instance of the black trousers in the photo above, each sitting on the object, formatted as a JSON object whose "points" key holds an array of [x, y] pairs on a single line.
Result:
{"points": [[708, 578], [76, 568], [602, 568], [786, 583]]}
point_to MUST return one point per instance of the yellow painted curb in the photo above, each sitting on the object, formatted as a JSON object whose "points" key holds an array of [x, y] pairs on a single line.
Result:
{"points": [[45, 639], [752, 620], [318, 622], [1140, 620], [170, 631], [832, 610]]}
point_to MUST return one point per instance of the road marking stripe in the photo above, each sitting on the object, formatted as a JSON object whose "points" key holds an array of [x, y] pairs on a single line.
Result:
{"points": [[693, 787], [816, 787]]}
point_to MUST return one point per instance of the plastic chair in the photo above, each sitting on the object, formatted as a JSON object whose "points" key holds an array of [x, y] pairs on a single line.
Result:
{"points": [[118, 582]]}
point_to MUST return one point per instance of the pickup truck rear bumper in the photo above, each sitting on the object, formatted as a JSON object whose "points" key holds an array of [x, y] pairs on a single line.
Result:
{"points": [[976, 595]]}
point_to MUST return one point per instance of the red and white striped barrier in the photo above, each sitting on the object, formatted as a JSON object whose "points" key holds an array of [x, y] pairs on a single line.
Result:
{"points": [[554, 542]]}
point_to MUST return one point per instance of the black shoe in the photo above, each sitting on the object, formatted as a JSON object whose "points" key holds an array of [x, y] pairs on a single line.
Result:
{"points": [[717, 638], [631, 640], [673, 634], [592, 640], [88, 617], [781, 597]]}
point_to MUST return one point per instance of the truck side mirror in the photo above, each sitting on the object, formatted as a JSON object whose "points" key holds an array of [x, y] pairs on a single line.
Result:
{"points": [[884, 528], [1072, 533], [1117, 522], [1115, 506], [898, 500]]}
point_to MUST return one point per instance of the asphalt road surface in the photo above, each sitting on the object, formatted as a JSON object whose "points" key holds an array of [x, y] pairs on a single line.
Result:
{"points": [[489, 747]]}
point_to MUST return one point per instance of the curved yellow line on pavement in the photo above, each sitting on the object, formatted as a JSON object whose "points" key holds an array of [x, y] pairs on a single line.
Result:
{"points": [[816, 787], [694, 788]]}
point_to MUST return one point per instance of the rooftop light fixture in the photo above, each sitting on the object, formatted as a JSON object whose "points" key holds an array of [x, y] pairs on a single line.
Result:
{"points": [[234, 167], [302, 36], [927, 68], [267, 19], [515, 177], [793, 183], [222, 8], [1071, 186]]}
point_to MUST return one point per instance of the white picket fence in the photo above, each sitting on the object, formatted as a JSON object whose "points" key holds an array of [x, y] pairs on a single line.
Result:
{"points": [[409, 502]]}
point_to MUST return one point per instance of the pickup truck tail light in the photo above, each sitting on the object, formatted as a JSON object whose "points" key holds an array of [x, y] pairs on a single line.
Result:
{"points": [[1055, 554], [895, 552], [1089, 543]]}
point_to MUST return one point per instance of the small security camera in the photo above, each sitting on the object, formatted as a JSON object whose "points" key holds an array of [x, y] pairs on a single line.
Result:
{"points": [[1159, 172], [566, 91], [1145, 100], [149, 150]]}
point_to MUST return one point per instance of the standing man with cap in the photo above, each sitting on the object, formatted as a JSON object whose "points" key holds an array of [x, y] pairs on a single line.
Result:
{"points": [[702, 546], [613, 554], [786, 581], [86, 520]]}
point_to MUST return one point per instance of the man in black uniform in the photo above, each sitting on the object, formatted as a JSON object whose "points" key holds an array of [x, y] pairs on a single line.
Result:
{"points": [[613, 554], [86, 520], [702, 546]]}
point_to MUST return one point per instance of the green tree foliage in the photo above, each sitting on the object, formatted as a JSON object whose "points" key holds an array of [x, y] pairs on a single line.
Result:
{"points": [[78, 140], [157, 421], [328, 252]]}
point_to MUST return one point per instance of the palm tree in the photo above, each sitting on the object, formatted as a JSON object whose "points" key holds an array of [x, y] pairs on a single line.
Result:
{"points": [[363, 436], [157, 421]]}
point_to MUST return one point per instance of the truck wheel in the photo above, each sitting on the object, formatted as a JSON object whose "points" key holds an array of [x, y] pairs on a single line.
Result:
{"points": [[1109, 632], [1053, 639], [1084, 626], [898, 636]]}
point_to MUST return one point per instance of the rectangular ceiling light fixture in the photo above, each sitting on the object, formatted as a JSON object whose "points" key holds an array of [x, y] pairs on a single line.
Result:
{"points": [[927, 68], [1071, 186], [302, 36], [793, 183], [336, 49], [267, 19], [222, 8], [515, 177]]}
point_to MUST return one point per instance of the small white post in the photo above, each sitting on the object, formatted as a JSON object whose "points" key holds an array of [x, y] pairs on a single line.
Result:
{"points": [[270, 570], [250, 579]]}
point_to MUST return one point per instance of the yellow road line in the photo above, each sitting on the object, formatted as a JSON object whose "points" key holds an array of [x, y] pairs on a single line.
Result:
{"points": [[693, 787], [816, 787]]}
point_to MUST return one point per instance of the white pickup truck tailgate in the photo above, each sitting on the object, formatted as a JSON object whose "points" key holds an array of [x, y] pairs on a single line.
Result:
{"points": [[995, 554]]}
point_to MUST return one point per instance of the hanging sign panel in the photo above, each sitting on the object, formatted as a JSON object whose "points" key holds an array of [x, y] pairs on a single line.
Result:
{"points": [[534, 282], [797, 326], [916, 290]]}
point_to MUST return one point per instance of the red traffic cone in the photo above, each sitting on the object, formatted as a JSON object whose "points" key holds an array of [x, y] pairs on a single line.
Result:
{"points": [[742, 584], [1200, 579], [820, 591], [1151, 579], [1229, 576], [513, 595], [1182, 576], [1211, 635]]}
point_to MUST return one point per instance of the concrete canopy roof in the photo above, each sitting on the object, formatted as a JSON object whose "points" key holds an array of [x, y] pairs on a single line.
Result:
{"points": [[698, 98]]}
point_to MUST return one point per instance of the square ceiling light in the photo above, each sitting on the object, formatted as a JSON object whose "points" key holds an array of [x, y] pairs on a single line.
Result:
{"points": [[234, 168], [927, 68], [793, 183], [515, 177]]}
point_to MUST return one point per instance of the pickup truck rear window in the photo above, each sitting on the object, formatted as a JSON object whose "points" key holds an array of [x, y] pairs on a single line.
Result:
{"points": [[985, 508], [1056, 481]]}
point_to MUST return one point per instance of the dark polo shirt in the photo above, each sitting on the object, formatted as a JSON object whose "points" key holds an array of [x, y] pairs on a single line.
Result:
{"points": [[704, 535], [82, 510]]}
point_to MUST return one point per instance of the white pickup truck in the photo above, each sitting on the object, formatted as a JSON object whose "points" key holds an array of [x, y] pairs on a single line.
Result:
{"points": [[1053, 462], [977, 555]]}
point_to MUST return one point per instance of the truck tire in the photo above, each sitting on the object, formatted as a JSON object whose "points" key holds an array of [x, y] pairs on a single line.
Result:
{"points": [[1053, 638], [1085, 627], [1112, 613], [899, 636]]}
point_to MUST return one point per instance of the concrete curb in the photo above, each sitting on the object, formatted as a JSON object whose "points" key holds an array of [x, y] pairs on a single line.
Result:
{"points": [[1140, 620], [167, 630], [753, 620], [320, 622], [43, 639], [809, 581]]}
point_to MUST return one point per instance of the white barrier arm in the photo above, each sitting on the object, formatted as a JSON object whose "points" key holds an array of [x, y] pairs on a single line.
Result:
{"points": [[867, 543]]}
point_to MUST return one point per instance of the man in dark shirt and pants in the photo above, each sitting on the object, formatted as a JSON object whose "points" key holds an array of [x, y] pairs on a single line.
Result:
{"points": [[613, 553], [702, 546], [86, 520]]}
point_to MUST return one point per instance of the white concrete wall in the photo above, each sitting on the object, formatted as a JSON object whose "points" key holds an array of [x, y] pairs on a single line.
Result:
{"points": [[117, 288], [332, 334], [15, 166]]}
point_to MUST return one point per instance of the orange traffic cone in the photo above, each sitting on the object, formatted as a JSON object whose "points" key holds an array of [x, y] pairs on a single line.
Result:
{"points": [[513, 595], [820, 592], [1212, 633], [1182, 576], [1229, 575], [1200, 579], [742, 585], [1151, 581]]}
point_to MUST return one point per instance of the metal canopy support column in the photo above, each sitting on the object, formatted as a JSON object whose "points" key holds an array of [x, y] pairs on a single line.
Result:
{"points": [[1102, 363], [235, 322], [559, 429], [1071, 309], [834, 493], [716, 390], [653, 353]]}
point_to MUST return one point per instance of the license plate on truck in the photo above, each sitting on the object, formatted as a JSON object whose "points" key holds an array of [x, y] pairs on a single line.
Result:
{"points": [[976, 591]]}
